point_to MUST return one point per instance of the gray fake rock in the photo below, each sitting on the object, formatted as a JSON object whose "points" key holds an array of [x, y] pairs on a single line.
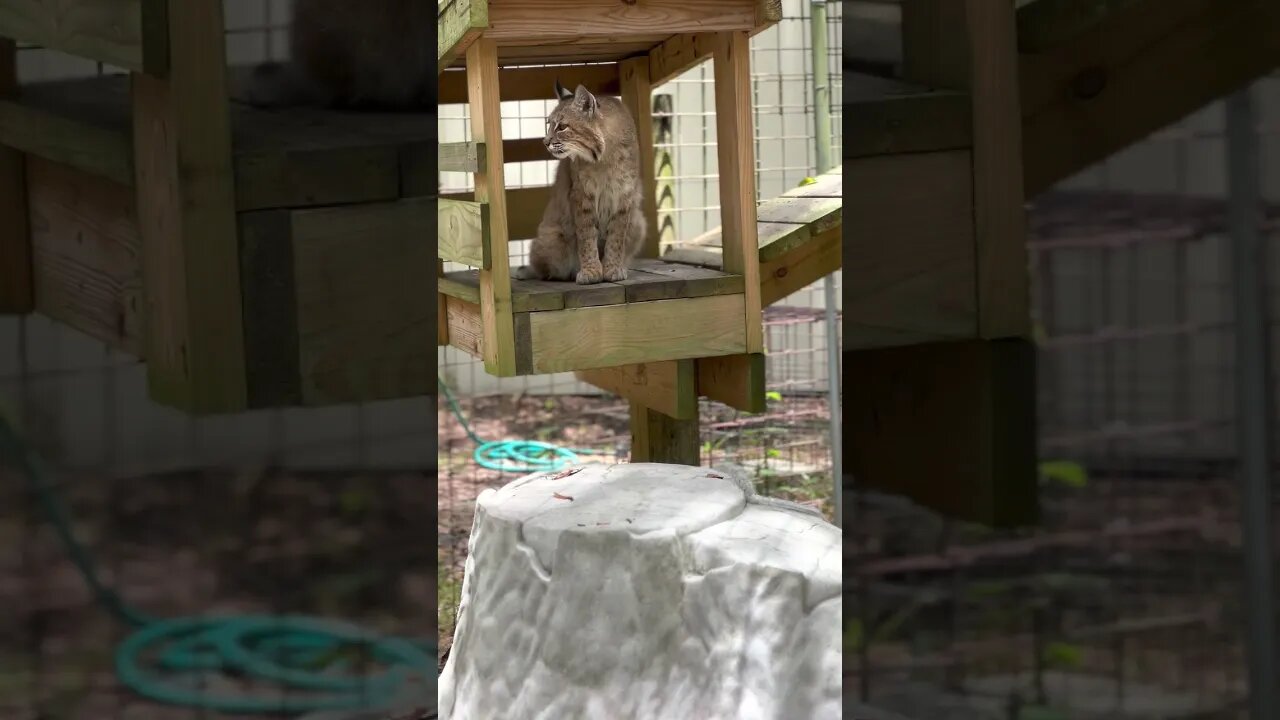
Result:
{"points": [[644, 592]]}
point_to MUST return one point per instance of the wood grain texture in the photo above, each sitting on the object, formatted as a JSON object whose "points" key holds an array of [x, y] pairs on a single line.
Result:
{"points": [[524, 209], [442, 314], [462, 233], [678, 54], [806, 263], [495, 284], [15, 238], [668, 387], [466, 328], [608, 336], [659, 438], [735, 150], [186, 213], [534, 83], [130, 34], [459, 23], [516, 22], [637, 95], [461, 156], [87, 254], [910, 248], [79, 142], [363, 313], [999, 213], [975, 402], [735, 380]]}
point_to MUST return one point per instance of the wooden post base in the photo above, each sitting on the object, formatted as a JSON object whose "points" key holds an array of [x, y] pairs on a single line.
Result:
{"points": [[660, 438], [950, 425]]}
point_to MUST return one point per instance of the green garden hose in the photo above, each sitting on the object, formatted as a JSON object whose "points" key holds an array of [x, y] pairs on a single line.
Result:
{"points": [[513, 456], [164, 659]]}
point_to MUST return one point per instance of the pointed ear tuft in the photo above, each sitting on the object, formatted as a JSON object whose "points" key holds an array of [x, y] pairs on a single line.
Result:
{"points": [[561, 92], [584, 100]]}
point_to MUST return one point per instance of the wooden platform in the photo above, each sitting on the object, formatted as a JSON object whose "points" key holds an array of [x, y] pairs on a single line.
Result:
{"points": [[799, 234], [577, 31], [290, 158], [663, 310]]}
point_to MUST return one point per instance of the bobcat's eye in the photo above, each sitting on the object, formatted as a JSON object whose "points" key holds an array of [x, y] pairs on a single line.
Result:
{"points": [[560, 127]]}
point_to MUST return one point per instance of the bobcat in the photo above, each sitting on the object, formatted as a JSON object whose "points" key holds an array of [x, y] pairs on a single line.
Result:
{"points": [[594, 223], [372, 54]]}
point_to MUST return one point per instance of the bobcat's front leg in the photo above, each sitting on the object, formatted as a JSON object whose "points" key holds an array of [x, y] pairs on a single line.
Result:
{"points": [[617, 238], [584, 221]]}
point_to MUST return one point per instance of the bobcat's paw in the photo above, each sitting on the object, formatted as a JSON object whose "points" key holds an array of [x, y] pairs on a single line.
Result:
{"points": [[590, 276], [615, 274]]}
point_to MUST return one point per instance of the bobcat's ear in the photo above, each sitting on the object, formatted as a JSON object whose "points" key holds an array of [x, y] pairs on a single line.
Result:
{"points": [[561, 93], [584, 100]]}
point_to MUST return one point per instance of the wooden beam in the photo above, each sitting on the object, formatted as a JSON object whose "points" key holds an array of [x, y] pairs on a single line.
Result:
{"points": [[920, 286], [637, 95], [268, 281], [524, 209], [890, 117], [363, 331], [539, 22], [1147, 64], [442, 314], [16, 295], [735, 380], [458, 24], [679, 54], [735, 147], [1000, 227], [535, 83], [463, 232], [612, 335], [78, 143], [1047, 24], [86, 248], [802, 266], [466, 326], [186, 213], [668, 387], [950, 425], [660, 438], [460, 156], [131, 34], [495, 282]]}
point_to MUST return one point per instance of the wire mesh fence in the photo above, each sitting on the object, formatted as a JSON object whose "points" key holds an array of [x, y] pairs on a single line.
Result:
{"points": [[1129, 599]]}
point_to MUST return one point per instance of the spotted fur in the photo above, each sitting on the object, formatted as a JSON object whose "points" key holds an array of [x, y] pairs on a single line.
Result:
{"points": [[594, 224]]}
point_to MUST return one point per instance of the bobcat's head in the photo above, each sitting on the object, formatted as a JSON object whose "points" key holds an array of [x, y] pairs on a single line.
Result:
{"points": [[573, 127]]}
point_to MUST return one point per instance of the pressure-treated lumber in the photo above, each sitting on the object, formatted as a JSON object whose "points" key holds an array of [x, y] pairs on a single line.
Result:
{"points": [[891, 117], [495, 284], [288, 158], [678, 54], [459, 23], [735, 149], [463, 233], [87, 249], [131, 34], [735, 380], [656, 437], [669, 387], [461, 156], [950, 425], [186, 214], [542, 22], [523, 83], [15, 246], [637, 95], [338, 313], [524, 208], [1136, 69]]}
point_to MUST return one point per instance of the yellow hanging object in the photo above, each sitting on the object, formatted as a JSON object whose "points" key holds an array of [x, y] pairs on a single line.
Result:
{"points": [[807, 181]]}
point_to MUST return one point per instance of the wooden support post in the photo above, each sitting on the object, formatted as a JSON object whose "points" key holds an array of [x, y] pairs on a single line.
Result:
{"points": [[736, 152], [186, 216], [952, 424], [442, 318], [663, 439], [637, 96], [17, 292], [495, 283]]}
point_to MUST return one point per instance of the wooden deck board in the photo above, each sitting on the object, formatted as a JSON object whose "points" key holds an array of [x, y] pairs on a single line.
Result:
{"points": [[647, 280]]}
